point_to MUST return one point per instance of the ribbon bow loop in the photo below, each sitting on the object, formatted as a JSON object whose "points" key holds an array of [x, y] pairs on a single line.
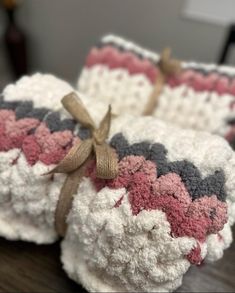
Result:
{"points": [[73, 104], [74, 163], [101, 134], [106, 159]]}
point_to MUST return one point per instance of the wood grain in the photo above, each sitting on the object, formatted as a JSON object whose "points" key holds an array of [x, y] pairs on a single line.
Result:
{"points": [[25, 267]]}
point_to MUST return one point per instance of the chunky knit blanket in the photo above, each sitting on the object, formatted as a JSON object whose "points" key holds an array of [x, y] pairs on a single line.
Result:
{"points": [[123, 73], [165, 211], [35, 134], [171, 205]]}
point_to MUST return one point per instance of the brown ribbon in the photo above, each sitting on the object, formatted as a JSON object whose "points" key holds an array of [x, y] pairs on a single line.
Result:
{"points": [[75, 162], [167, 67]]}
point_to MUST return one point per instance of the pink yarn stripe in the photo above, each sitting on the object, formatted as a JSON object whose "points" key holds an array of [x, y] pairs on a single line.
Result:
{"points": [[196, 219], [113, 58], [44, 146]]}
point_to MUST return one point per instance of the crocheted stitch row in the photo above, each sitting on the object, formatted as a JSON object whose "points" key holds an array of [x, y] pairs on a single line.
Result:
{"points": [[39, 132], [200, 80], [194, 207], [123, 74], [48, 138], [196, 214]]}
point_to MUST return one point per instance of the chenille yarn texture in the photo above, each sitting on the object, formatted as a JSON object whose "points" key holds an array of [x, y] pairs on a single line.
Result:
{"points": [[123, 73], [170, 207], [142, 230], [35, 134]]}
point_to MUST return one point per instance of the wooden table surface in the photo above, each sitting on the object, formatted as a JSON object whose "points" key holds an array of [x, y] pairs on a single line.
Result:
{"points": [[25, 267]]}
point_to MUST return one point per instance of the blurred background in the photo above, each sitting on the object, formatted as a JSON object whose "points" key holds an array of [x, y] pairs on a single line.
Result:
{"points": [[55, 35]]}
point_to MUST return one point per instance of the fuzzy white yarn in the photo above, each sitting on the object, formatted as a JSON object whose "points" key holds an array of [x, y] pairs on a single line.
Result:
{"points": [[44, 90], [28, 199], [129, 252], [108, 249]]}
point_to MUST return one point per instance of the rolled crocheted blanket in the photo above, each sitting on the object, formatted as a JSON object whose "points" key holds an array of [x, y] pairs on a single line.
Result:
{"points": [[35, 134], [122, 73], [171, 205], [166, 210]]}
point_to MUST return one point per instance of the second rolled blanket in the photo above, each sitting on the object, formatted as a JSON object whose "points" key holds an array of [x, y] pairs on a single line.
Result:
{"points": [[123, 73]]}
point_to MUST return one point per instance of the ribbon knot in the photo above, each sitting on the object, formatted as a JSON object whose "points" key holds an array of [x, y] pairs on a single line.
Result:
{"points": [[167, 67], [75, 162], [106, 159]]}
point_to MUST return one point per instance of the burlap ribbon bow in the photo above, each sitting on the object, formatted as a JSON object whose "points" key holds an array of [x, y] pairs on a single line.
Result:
{"points": [[75, 162], [167, 67]]}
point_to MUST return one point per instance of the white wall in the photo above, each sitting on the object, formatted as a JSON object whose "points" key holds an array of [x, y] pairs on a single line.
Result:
{"points": [[61, 31]]}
